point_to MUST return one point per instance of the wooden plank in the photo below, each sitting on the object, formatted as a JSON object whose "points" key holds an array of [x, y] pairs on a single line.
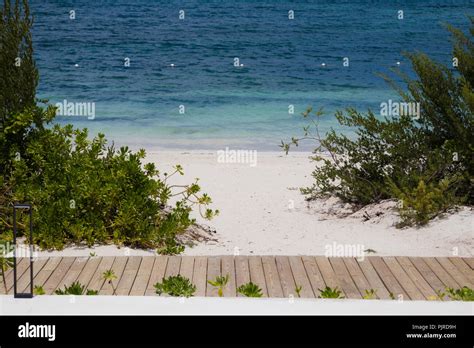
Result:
{"points": [[416, 277], [454, 272], [344, 278], [22, 265], [441, 272], [187, 267], [357, 275], [410, 288], [242, 272], [435, 283], [172, 269], [286, 276], [88, 271], [388, 278], [464, 268], [228, 268], [327, 272], [200, 275], [373, 278], [23, 284], [97, 280], [257, 275], [469, 261], [129, 274], [143, 276], [73, 272], [271, 277], [47, 270], [117, 267], [314, 274], [213, 270], [157, 274], [58, 274], [300, 276]]}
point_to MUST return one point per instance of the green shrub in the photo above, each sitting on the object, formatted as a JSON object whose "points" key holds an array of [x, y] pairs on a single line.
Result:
{"points": [[389, 157], [75, 288], [463, 294], [81, 190], [329, 292], [176, 286], [250, 290], [424, 203]]}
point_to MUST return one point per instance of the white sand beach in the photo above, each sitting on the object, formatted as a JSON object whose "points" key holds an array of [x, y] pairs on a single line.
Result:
{"points": [[263, 212]]}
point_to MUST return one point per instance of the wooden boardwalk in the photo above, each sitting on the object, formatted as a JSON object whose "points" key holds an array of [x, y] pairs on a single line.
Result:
{"points": [[414, 278]]}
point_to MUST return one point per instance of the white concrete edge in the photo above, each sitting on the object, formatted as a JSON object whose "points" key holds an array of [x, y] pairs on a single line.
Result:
{"points": [[154, 305]]}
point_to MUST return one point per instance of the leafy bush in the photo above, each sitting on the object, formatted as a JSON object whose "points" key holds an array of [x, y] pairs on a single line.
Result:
{"points": [[328, 292], [176, 286], [424, 202], [75, 288], [463, 294], [250, 290], [390, 157], [81, 190]]}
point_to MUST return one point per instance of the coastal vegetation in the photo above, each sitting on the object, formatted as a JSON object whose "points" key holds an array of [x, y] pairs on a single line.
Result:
{"points": [[220, 283], [424, 159], [250, 290], [82, 190], [76, 288], [329, 292], [176, 286]]}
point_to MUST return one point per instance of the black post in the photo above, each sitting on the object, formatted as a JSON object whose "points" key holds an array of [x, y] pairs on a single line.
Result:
{"points": [[15, 289]]}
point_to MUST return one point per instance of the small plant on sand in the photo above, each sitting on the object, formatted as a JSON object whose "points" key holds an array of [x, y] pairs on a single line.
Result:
{"points": [[370, 294], [220, 282], [176, 286], [38, 290], [298, 289], [328, 292], [250, 290], [75, 288], [109, 276]]}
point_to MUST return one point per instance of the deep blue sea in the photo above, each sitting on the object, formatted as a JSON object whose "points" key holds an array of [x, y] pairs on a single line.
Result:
{"points": [[187, 64]]}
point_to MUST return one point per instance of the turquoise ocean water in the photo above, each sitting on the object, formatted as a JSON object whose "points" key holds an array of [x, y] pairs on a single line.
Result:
{"points": [[189, 62]]}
